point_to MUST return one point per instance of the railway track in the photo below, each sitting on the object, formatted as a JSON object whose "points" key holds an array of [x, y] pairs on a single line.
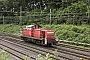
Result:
{"points": [[32, 49], [74, 47], [63, 53], [63, 45], [12, 50], [81, 54]]}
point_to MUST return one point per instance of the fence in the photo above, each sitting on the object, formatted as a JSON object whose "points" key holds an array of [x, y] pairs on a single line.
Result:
{"points": [[44, 17]]}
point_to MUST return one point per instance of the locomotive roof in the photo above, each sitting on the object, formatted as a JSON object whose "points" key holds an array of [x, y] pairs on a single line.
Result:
{"points": [[29, 26]]}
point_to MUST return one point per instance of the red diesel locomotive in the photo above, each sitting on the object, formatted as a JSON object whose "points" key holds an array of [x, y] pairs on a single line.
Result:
{"points": [[38, 35]]}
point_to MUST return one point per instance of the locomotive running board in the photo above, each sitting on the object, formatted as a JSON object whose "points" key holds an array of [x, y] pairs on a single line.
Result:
{"points": [[33, 38]]}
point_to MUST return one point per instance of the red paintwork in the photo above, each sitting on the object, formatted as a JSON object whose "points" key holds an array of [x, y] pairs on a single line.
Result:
{"points": [[28, 32], [36, 27], [24, 31], [38, 33], [48, 33]]}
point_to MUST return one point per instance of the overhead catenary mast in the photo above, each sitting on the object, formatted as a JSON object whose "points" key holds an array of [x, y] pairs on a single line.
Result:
{"points": [[20, 19]]}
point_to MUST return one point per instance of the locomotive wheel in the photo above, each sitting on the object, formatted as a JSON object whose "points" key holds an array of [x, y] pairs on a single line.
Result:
{"points": [[38, 42], [34, 41], [49, 44], [24, 38]]}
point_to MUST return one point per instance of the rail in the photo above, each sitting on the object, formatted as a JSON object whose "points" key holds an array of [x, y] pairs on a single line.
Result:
{"points": [[74, 42]]}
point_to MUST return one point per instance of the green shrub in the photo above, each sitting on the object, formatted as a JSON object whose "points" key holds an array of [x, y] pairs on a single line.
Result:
{"points": [[75, 28], [48, 56], [4, 55], [72, 32], [25, 57]]}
